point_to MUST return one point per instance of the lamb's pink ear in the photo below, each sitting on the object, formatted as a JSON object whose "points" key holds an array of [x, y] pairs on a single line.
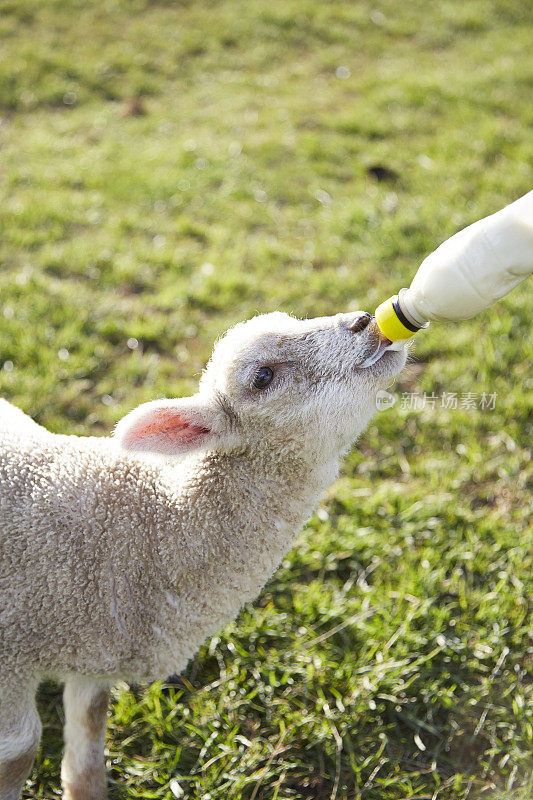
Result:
{"points": [[171, 427]]}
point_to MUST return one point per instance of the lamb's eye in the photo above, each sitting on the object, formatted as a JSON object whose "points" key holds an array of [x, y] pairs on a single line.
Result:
{"points": [[262, 377]]}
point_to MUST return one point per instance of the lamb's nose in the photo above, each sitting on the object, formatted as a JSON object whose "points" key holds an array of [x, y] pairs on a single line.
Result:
{"points": [[360, 322]]}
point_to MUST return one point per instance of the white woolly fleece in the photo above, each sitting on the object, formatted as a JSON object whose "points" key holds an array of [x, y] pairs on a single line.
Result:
{"points": [[114, 565]]}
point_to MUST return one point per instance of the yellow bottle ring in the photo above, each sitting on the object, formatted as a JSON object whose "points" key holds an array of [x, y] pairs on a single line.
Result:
{"points": [[392, 322]]}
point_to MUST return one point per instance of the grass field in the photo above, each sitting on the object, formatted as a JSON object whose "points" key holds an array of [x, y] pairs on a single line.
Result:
{"points": [[167, 169]]}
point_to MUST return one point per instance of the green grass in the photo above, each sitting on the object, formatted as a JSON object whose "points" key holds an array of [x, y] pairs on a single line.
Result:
{"points": [[388, 658]]}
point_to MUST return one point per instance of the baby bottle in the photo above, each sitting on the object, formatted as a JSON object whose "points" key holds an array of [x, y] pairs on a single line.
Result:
{"points": [[466, 274]]}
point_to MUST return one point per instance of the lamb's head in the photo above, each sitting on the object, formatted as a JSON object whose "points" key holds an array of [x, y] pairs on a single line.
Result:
{"points": [[275, 382]]}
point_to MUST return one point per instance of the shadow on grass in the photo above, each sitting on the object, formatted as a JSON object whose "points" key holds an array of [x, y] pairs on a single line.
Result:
{"points": [[455, 745]]}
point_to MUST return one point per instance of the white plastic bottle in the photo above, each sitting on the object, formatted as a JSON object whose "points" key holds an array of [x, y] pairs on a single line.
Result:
{"points": [[466, 274]]}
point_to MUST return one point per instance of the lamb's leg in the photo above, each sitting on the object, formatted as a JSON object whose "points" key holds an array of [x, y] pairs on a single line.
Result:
{"points": [[83, 766], [20, 733]]}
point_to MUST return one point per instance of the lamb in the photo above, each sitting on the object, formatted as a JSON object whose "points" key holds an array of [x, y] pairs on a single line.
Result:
{"points": [[118, 560]]}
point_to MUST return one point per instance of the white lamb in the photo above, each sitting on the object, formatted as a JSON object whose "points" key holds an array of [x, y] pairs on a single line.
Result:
{"points": [[115, 565]]}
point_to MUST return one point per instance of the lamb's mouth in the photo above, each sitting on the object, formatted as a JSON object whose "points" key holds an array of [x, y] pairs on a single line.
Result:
{"points": [[383, 347]]}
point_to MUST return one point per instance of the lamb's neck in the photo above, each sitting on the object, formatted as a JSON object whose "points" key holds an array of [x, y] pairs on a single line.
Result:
{"points": [[246, 509], [239, 483]]}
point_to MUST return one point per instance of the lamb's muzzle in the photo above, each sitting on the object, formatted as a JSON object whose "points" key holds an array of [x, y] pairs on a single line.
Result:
{"points": [[360, 322], [116, 564]]}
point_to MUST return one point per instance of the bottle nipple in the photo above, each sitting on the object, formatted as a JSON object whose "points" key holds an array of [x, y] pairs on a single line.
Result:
{"points": [[392, 321]]}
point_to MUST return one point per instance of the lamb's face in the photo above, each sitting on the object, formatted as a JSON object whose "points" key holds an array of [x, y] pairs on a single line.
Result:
{"points": [[300, 381]]}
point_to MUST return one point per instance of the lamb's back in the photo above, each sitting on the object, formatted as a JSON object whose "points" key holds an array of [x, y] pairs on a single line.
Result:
{"points": [[78, 550], [16, 425]]}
